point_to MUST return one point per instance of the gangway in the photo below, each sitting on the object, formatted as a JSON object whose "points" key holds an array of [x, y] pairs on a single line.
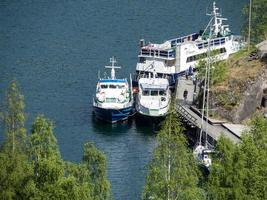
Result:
{"points": [[215, 131]]}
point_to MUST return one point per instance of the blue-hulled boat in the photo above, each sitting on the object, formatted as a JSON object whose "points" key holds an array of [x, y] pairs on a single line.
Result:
{"points": [[113, 101]]}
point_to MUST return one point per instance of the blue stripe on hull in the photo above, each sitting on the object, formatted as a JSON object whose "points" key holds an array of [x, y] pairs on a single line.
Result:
{"points": [[112, 115]]}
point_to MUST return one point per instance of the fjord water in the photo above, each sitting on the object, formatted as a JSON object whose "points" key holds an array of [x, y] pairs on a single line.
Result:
{"points": [[55, 49]]}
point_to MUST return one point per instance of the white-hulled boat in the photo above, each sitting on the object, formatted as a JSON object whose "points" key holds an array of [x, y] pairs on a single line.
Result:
{"points": [[154, 96], [113, 101], [174, 57]]}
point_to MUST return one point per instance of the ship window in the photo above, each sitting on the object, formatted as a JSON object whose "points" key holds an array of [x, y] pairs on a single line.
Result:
{"points": [[191, 58], [104, 86], [173, 43], [162, 93], [154, 93], [112, 86], [145, 93], [120, 86], [111, 100], [142, 60]]}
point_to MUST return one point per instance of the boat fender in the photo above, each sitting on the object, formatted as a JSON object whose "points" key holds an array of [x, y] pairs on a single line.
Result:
{"points": [[100, 96], [121, 98]]}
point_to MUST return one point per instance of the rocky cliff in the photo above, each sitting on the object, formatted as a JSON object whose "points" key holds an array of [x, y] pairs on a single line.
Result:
{"points": [[242, 93]]}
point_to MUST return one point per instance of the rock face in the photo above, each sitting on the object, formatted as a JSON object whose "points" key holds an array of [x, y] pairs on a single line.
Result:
{"points": [[249, 101]]}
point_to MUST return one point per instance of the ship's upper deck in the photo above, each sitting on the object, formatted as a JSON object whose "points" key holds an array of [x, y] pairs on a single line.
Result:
{"points": [[215, 34]]}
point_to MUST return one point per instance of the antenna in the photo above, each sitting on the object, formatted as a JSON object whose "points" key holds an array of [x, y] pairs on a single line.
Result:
{"points": [[216, 22], [112, 60]]}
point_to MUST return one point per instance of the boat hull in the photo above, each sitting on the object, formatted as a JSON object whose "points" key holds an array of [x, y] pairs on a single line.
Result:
{"points": [[148, 118], [112, 115]]}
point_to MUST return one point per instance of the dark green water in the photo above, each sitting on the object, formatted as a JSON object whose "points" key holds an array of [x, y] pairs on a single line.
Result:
{"points": [[55, 49]]}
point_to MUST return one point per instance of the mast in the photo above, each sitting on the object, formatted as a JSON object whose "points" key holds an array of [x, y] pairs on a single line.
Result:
{"points": [[216, 18], [207, 79], [249, 23], [208, 89], [112, 60]]}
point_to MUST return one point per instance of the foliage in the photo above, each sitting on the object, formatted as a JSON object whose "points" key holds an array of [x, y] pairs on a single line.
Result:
{"points": [[95, 162], [258, 20], [15, 176], [254, 147], [224, 181], [218, 71], [14, 119], [32, 167], [240, 171], [42, 142], [173, 172]]}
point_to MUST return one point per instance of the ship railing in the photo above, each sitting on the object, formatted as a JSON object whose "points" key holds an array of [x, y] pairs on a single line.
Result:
{"points": [[214, 42], [149, 52], [192, 37], [101, 104]]}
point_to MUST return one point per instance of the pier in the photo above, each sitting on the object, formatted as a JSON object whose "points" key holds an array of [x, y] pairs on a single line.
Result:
{"points": [[185, 94]]}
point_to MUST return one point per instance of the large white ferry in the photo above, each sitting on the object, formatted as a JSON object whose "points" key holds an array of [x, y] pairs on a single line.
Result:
{"points": [[175, 56], [113, 101], [154, 96]]}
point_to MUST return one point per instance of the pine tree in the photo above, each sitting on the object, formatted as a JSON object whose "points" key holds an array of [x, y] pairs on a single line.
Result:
{"points": [[172, 172]]}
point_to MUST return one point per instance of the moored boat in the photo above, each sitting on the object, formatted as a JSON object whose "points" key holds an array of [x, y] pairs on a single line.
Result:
{"points": [[113, 101], [154, 97], [174, 57]]}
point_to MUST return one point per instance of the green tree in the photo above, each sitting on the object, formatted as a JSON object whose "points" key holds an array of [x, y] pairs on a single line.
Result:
{"points": [[32, 168], [14, 119], [95, 161], [55, 179], [240, 171], [227, 172], [16, 176], [254, 146], [15, 172], [172, 172], [43, 143], [258, 20]]}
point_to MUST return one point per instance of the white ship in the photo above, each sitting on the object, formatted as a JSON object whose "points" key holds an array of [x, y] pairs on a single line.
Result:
{"points": [[175, 56], [113, 101], [154, 96]]}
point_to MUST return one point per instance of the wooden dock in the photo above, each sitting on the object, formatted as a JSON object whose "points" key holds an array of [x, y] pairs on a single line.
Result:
{"points": [[214, 128]]}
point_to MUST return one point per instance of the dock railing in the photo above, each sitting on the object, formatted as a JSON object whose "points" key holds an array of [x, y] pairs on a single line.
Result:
{"points": [[186, 115]]}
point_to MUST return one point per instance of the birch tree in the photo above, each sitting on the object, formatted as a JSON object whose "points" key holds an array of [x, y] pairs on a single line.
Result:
{"points": [[172, 172]]}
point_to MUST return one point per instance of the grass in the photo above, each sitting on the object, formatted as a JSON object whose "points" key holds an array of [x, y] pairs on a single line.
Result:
{"points": [[235, 76]]}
